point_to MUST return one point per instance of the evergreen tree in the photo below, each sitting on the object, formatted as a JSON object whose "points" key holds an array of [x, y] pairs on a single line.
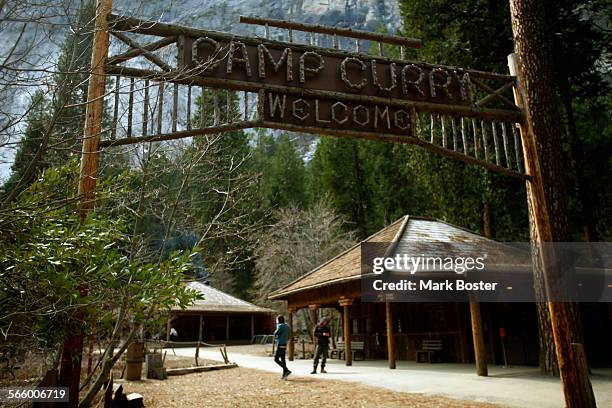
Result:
{"points": [[282, 171], [71, 82], [36, 121], [338, 170]]}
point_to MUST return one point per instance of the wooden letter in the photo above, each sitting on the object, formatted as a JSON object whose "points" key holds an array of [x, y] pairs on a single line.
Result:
{"points": [[441, 85], [392, 74], [209, 63], [286, 57], [416, 84], [343, 74], [317, 118], [465, 86], [231, 58], [402, 119], [304, 69], [275, 103], [356, 110], [382, 114], [333, 112], [300, 109]]}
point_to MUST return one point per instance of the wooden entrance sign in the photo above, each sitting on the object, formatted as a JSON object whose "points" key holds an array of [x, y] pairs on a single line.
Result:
{"points": [[463, 114]]}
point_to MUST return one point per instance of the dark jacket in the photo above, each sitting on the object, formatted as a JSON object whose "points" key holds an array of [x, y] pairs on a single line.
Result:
{"points": [[282, 334], [322, 333]]}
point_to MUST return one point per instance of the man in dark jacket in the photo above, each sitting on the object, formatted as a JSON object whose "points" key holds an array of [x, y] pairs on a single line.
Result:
{"points": [[281, 335], [322, 335]]}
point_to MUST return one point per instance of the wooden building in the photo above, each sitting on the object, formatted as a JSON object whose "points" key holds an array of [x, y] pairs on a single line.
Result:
{"points": [[219, 318], [468, 331]]}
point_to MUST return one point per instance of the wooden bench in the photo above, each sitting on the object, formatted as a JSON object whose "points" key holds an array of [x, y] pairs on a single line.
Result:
{"points": [[262, 339], [357, 348], [430, 352]]}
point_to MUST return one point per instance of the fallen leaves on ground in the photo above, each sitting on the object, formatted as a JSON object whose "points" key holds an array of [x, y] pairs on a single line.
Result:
{"points": [[243, 387]]}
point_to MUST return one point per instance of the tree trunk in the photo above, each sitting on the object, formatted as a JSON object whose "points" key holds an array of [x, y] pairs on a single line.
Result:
{"points": [[487, 220], [547, 199], [361, 204], [72, 353]]}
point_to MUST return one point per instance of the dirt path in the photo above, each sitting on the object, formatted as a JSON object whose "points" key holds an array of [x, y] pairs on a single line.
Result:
{"points": [[243, 387]]}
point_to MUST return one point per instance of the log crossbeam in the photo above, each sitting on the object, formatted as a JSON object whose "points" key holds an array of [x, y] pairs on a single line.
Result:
{"points": [[494, 93], [136, 52], [209, 130], [333, 31], [142, 50]]}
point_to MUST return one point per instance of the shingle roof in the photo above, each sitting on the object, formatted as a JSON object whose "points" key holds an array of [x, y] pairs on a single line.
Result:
{"points": [[218, 301], [427, 237], [408, 235]]}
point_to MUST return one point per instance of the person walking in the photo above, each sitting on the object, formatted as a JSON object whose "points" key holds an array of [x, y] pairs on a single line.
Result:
{"points": [[281, 336], [322, 334]]}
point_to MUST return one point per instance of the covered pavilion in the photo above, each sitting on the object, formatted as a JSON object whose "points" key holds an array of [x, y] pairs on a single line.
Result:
{"points": [[219, 317], [500, 332]]}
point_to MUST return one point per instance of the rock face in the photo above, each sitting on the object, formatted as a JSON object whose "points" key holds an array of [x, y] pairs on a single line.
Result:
{"points": [[223, 15]]}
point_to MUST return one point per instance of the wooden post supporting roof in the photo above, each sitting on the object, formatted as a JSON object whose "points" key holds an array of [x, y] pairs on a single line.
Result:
{"points": [[252, 326], [480, 352], [313, 316], [200, 329], [390, 334], [534, 69], [346, 326], [291, 345], [227, 327], [462, 343]]}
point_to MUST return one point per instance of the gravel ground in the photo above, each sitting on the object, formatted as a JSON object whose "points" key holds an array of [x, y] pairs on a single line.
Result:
{"points": [[243, 387]]}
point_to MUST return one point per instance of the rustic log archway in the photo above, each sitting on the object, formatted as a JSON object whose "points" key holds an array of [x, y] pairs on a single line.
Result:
{"points": [[458, 113]]}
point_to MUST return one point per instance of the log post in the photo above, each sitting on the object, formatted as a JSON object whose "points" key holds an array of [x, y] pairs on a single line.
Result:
{"points": [[390, 337], [227, 328], [252, 327], [168, 329], [94, 109], [70, 368], [480, 352], [346, 326], [200, 329], [463, 347], [291, 345], [314, 317], [534, 67]]}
